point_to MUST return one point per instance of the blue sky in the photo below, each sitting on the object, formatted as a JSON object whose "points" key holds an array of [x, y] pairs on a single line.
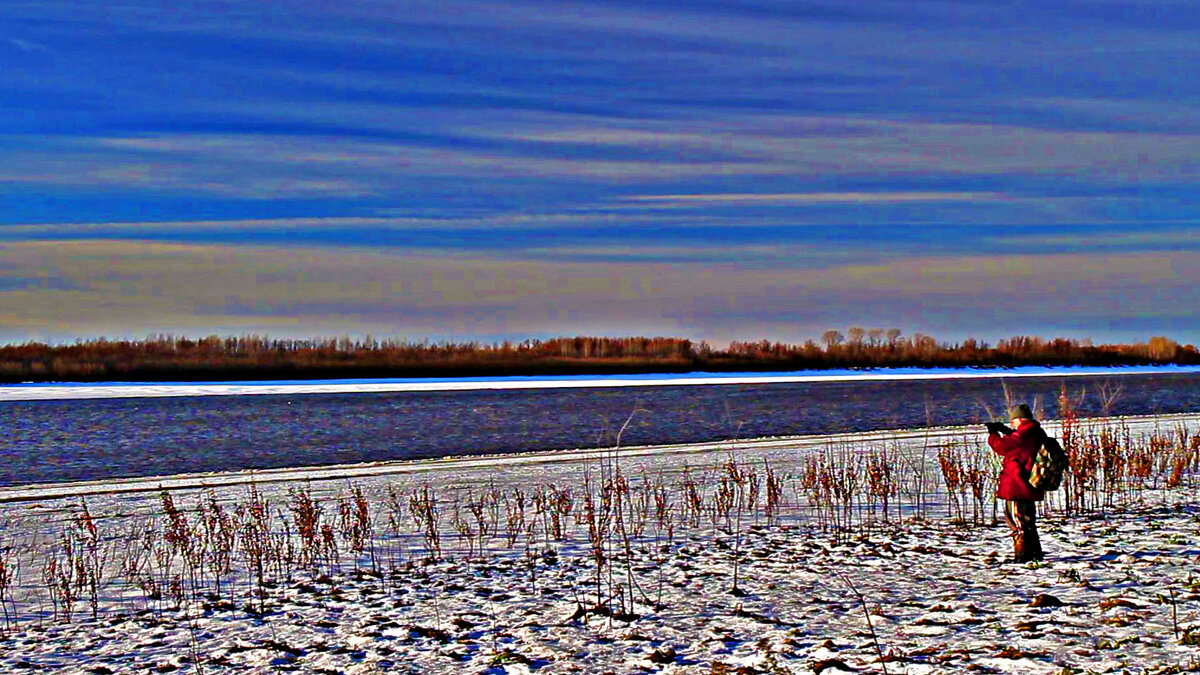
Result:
{"points": [[490, 170]]}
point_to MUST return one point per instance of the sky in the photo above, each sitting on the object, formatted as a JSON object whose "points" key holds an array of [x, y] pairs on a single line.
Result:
{"points": [[493, 170]]}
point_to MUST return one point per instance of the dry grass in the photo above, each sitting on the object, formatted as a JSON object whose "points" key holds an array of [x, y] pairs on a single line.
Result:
{"points": [[203, 548]]}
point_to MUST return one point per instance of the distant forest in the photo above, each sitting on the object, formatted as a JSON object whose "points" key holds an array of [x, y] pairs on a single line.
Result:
{"points": [[169, 358]]}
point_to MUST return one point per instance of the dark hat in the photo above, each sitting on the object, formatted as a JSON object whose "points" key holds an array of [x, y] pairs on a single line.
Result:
{"points": [[1021, 411]]}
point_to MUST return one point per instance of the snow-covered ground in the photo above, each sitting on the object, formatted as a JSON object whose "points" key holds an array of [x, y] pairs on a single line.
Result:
{"points": [[1118, 592]]}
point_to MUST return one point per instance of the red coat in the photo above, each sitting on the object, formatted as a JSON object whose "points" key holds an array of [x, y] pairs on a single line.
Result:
{"points": [[1018, 450]]}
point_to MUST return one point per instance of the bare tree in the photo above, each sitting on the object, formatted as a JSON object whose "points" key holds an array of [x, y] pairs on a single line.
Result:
{"points": [[1108, 392], [832, 338]]}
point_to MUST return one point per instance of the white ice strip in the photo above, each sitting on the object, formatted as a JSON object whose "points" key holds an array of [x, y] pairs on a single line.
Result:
{"points": [[35, 392], [462, 465]]}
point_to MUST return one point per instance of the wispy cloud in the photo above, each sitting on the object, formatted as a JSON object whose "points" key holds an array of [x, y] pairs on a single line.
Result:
{"points": [[1175, 239], [257, 166], [801, 198], [241, 227], [24, 45], [858, 146]]}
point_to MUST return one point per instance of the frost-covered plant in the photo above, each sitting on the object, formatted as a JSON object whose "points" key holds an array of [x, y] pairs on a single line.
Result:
{"points": [[220, 532], [692, 498], [1113, 462], [774, 494], [514, 516], [463, 527], [978, 477], [881, 480], [950, 462], [739, 480], [64, 576], [664, 514], [93, 560], [394, 505], [356, 526], [254, 518], [306, 516], [422, 506]]}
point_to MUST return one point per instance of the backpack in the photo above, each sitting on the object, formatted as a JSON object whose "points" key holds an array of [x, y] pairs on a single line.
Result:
{"points": [[1049, 465]]}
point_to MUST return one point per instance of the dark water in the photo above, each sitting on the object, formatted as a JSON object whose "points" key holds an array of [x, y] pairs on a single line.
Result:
{"points": [[54, 441]]}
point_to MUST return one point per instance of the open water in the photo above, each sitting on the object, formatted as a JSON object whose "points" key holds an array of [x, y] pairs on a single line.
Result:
{"points": [[52, 441]]}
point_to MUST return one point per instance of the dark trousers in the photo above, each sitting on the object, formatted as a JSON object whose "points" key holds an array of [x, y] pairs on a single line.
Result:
{"points": [[1022, 521]]}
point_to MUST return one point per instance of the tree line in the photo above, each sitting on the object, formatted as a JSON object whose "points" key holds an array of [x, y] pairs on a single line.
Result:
{"points": [[166, 357]]}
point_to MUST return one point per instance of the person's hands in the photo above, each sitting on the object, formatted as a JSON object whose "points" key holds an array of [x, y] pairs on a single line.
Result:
{"points": [[995, 427]]}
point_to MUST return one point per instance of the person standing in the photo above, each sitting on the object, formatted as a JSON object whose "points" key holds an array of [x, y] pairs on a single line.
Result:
{"points": [[1019, 447]]}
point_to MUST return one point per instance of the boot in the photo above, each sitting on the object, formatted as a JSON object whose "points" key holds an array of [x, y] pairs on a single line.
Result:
{"points": [[1033, 546], [1019, 552], [1027, 548]]}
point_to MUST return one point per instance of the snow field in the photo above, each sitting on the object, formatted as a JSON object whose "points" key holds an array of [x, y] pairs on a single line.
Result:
{"points": [[382, 597]]}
